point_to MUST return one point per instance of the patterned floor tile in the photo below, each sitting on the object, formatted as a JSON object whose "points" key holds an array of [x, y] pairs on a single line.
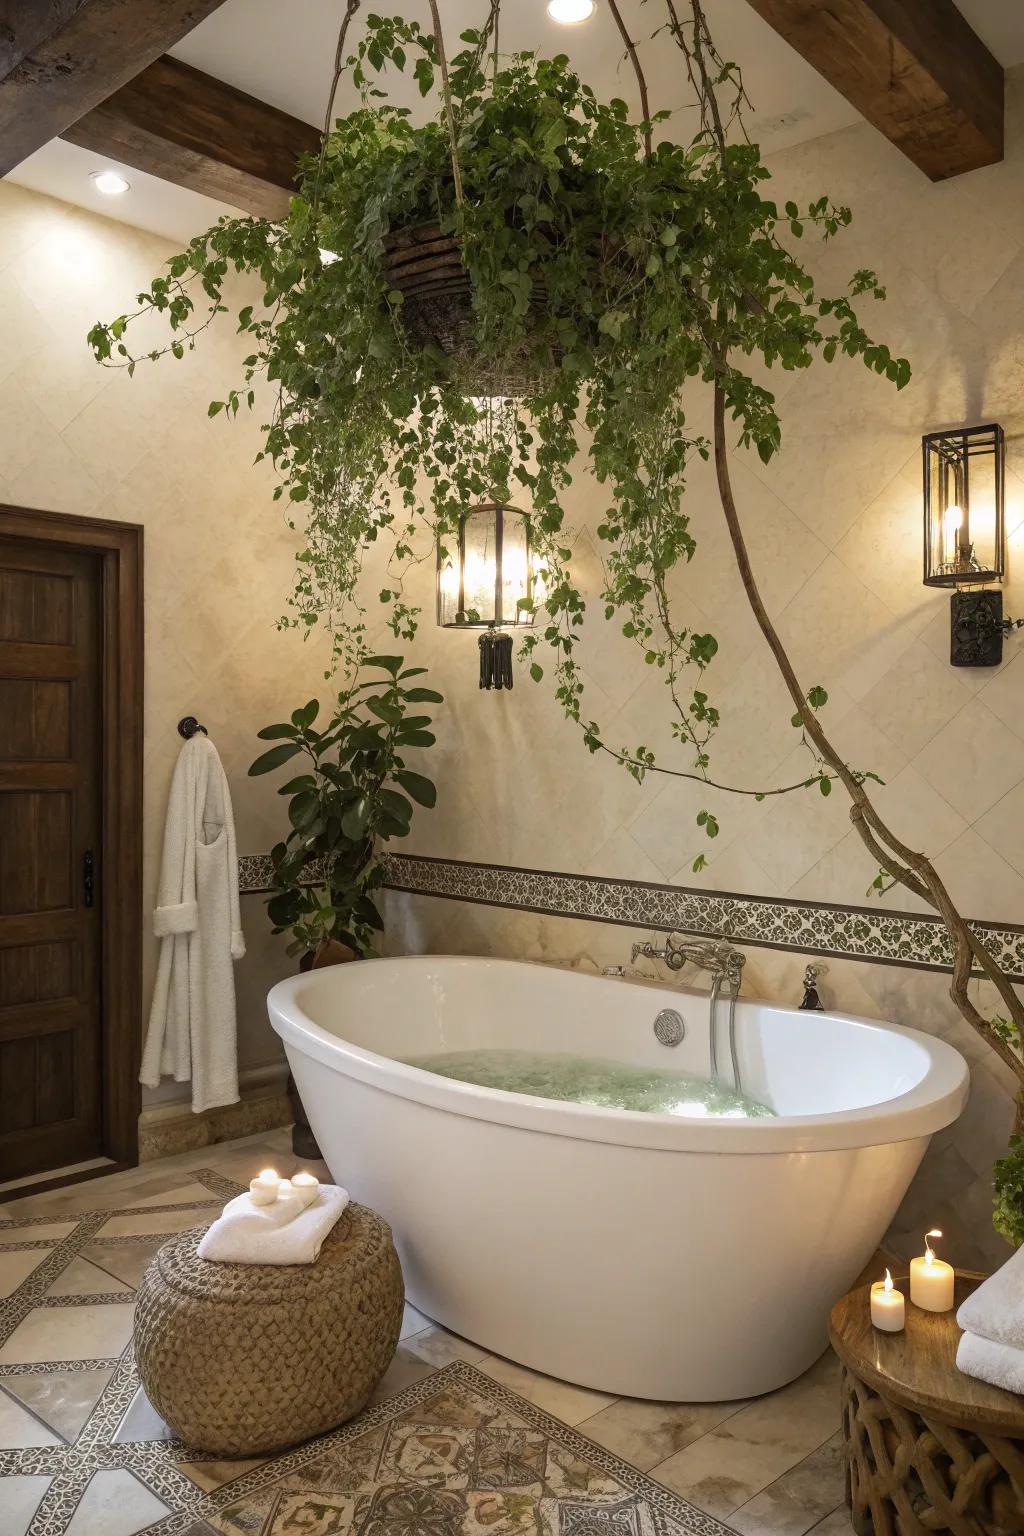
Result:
{"points": [[455, 1451]]}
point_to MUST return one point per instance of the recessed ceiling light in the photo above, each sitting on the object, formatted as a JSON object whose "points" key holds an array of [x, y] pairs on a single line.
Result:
{"points": [[110, 183], [570, 12]]}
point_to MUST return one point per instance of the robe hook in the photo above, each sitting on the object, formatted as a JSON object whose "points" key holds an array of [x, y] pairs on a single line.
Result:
{"points": [[188, 727]]}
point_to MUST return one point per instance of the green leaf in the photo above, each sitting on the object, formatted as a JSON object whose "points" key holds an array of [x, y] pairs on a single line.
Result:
{"points": [[421, 789], [304, 717], [385, 663], [356, 819], [415, 739], [276, 732], [274, 758], [422, 696]]}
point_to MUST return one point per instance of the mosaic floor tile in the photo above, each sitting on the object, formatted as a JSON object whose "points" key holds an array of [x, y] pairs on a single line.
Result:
{"points": [[439, 1452]]}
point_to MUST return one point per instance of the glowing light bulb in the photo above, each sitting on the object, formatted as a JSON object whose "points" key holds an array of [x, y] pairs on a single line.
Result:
{"points": [[569, 13], [110, 183], [952, 521]]}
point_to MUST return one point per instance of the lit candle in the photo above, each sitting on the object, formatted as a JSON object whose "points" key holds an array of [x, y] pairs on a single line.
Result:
{"points": [[263, 1189], [306, 1186], [887, 1309], [931, 1279]]}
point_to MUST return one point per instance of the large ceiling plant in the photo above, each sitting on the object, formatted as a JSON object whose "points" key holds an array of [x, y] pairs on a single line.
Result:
{"points": [[584, 275]]}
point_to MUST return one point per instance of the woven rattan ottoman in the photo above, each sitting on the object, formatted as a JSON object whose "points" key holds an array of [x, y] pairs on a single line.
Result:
{"points": [[242, 1359]]}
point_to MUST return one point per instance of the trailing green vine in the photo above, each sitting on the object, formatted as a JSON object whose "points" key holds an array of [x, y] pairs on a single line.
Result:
{"points": [[373, 435]]}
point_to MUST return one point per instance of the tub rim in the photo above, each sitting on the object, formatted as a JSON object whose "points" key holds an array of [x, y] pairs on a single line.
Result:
{"points": [[933, 1103]]}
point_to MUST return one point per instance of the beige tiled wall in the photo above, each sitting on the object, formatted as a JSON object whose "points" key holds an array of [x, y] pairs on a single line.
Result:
{"points": [[834, 526], [77, 438]]}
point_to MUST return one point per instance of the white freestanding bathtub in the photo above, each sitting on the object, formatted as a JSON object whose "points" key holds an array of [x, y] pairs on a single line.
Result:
{"points": [[644, 1255]]}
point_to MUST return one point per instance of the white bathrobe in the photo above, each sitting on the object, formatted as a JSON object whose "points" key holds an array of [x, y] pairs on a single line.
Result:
{"points": [[192, 1024]]}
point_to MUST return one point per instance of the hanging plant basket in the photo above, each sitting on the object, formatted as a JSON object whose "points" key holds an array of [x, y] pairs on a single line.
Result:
{"points": [[425, 265]]}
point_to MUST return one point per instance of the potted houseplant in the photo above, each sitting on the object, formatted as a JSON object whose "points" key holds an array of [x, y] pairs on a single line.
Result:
{"points": [[354, 793]]}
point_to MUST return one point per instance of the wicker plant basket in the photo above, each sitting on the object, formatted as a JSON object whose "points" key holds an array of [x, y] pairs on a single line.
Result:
{"points": [[426, 267], [243, 1359]]}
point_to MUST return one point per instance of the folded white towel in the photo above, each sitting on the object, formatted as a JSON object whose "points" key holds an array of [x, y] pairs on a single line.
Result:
{"points": [[998, 1364], [996, 1309], [273, 1234]]}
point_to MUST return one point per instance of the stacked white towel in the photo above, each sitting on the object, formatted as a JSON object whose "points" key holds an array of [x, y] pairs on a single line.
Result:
{"points": [[279, 1233], [992, 1346]]}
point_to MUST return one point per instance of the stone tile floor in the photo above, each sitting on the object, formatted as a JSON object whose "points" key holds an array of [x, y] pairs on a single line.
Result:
{"points": [[767, 1467]]}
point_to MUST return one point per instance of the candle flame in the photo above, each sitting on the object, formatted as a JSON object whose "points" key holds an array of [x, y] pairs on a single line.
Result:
{"points": [[888, 1281], [929, 1256], [268, 1173]]}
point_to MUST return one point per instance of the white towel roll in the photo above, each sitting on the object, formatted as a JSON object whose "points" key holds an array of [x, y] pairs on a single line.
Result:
{"points": [[280, 1233]]}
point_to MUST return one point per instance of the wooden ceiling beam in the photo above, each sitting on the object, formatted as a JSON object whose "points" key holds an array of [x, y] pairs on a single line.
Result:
{"points": [[61, 58], [914, 68], [191, 129]]}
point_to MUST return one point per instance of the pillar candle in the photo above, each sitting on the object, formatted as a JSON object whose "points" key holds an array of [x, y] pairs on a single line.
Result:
{"points": [[263, 1189], [888, 1312], [931, 1279], [306, 1186]]}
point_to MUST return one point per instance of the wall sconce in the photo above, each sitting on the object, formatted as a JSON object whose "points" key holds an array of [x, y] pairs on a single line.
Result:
{"points": [[481, 581], [963, 537]]}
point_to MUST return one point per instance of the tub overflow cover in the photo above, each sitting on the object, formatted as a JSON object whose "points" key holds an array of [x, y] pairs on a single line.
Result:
{"points": [[669, 1027]]}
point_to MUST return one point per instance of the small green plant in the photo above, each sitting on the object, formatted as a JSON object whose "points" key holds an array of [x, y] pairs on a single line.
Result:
{"points": [[355, 793], [1008, 1193]]}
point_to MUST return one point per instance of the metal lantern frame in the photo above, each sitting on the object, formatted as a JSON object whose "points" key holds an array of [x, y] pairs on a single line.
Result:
{"points": [[947, 460], [521, 617]]}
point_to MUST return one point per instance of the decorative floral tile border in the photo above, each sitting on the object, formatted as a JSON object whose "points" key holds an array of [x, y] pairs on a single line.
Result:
{"points": [[811, 927]]}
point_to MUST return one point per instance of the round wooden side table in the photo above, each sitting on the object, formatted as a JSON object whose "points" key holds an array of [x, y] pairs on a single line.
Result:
{"points": [[928, 1449]]}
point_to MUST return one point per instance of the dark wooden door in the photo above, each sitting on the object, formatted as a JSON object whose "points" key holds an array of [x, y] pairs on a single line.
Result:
{"points": [[50, 831]]}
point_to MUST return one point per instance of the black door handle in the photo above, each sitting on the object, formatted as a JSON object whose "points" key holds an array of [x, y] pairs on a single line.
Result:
{"points": [[88, 870]]}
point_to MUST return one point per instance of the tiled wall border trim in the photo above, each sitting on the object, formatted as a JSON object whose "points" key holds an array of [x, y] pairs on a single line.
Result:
{"points": [[811, 927]]}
